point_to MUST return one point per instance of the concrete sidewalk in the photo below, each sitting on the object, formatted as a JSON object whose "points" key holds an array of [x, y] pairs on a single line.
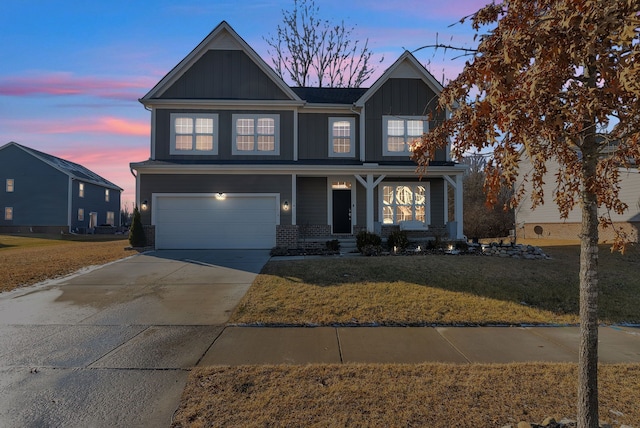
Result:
{"points": [[268, 345]]}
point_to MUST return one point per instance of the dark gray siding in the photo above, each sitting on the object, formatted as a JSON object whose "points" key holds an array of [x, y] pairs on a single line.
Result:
{"points": [[312, 200], [313, 136], [402, 97], [225, 133], [205, 183], [225, 74], [40, 194], [93, 201]]}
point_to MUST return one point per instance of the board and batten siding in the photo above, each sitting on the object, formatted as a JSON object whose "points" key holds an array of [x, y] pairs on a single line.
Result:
{"points": [[225, 136], [212, 183], [224, 75], [40, 196], [313, 136], [311, 200], [397, 97]]}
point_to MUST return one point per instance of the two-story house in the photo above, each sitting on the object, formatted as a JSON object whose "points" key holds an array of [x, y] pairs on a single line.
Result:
{"points": [[43, 193], [241, 160]]}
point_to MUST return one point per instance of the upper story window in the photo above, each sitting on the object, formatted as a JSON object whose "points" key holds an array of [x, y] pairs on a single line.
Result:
{"points": [[255, 134], [81, 190], [399, 132], [342, 136], [10, 185], [106, 195], [194, 134], [404, 202], [8, 213]]}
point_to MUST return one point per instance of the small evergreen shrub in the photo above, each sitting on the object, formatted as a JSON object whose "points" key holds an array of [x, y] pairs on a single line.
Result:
{"points": [[371, 250], [398, 239], [365, 238], [136, 233], [333, 245]]}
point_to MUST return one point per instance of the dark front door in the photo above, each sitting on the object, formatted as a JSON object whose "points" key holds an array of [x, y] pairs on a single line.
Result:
{"points": [[342, 211]]}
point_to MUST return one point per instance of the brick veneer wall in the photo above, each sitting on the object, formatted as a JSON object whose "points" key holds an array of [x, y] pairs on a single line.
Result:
{"points": [[313, 231], [150, 235], [287, 235], [572, 231]]}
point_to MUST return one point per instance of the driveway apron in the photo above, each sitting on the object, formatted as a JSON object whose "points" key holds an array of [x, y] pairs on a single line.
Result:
{"points": [[113, 347]]}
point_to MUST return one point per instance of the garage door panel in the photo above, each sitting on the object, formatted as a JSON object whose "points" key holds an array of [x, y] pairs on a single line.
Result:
{"points": [[202, 222]]}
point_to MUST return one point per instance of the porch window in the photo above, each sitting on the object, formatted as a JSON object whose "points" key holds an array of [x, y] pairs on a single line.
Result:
{"points": [[10, 185], [399, 132], [342, 136], [8, 213], [256, 134], [404, 202], [194, 134]]}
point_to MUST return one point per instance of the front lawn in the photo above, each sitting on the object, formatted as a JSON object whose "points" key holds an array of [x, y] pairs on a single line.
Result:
{"points": [[439, 289]]}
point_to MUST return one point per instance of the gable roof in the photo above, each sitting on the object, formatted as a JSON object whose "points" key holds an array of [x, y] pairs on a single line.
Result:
{"points": [[222, 37], [72, 169], [406, 66], [329, 95]]}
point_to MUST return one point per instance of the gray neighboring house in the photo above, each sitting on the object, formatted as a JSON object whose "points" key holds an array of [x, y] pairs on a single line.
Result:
{"points": [[241, 160], [45, 194]]}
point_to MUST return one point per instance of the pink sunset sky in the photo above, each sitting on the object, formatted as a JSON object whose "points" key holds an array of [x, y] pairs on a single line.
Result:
{"points": [[72, 72]]}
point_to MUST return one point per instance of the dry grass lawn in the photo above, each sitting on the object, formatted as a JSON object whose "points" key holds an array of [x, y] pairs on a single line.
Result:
{"points": [[29, 260], [425, 395], [439, 289]]}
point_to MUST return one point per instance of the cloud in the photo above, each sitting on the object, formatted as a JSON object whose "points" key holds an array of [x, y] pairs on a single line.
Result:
{"points": [[68, 84], [102, 125]]}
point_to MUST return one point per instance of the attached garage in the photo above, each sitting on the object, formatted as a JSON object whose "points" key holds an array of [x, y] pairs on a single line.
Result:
{"points": [[214, 221]]}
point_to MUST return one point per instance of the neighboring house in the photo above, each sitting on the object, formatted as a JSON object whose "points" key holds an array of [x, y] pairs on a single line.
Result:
{"points": [[45, 194], [241, 160], [544, 221]]}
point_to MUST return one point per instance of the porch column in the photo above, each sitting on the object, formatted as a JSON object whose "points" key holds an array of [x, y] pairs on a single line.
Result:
{"points": [[369, 186], [456, 183], [294, 198]]}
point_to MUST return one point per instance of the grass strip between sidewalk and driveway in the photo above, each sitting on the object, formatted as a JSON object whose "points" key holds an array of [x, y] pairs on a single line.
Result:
{"points": [[439, 289], [423, 395]]}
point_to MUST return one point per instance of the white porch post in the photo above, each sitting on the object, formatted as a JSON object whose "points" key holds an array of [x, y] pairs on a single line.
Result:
{"points": [[369, 186], [294, 199], [457, 198]]}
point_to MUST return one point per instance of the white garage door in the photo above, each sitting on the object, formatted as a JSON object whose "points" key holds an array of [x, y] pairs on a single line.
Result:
{"points": [[205, 222]]}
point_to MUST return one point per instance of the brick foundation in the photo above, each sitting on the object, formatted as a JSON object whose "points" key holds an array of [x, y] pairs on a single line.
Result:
{"points": [[287, 236], [150, 235]]}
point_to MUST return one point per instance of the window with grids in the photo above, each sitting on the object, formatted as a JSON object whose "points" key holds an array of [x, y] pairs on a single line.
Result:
{"points": [[106, 195], [194, 134], [256, 134], [81, 190], [342, 136], [404, 202], [8, 213], [111, 218], [399, 132], [10, 185]]}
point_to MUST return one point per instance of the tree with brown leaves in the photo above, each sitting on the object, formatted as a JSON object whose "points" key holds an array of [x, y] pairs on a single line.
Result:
{"points": [[554, 80]]}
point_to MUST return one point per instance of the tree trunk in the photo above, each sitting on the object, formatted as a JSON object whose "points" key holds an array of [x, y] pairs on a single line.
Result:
{"points": [[588, 358]]}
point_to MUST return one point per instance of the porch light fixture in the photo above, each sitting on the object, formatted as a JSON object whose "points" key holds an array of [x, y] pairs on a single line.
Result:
{"points": [[221, 196], [145, 205], [285, 206]]}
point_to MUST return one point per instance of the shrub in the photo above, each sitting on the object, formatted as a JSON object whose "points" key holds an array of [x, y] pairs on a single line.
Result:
{"points": [[136, 233], [371, 250], [365, 238], [333, 245], [399, 239]]}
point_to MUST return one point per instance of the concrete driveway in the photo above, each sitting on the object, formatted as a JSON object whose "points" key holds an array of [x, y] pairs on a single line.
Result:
{"points": [[112, 347]]}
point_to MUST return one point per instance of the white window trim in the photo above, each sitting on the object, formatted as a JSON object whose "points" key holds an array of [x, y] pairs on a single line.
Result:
{"points": [[81, 190], [255, 151], [385, 133], [80, 214], [8, 213], [427, 199], [193, 151], [352, 137], [10, 185]]}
